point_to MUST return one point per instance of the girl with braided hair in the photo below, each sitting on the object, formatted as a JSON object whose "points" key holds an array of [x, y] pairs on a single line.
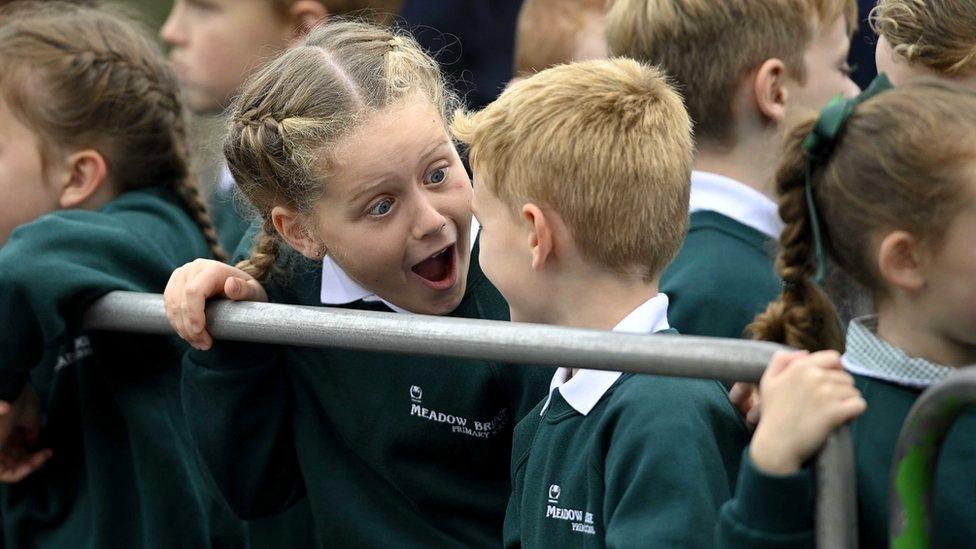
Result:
{"points": [[98, 197], [887, 189], [216, 44], [341, 147]]}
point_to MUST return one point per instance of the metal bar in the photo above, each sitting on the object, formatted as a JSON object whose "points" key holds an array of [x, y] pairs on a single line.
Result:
{"points": [[836, 520], [533, 344], [916, 455]]}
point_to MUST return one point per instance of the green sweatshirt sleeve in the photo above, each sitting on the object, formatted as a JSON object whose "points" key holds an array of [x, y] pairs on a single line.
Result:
{"points": [[774, 512], [665, 475], [237, 400], [53, 268]]}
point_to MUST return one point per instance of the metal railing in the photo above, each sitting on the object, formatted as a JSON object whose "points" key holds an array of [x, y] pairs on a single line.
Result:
{"points": [[917, 453], [532, 344]]}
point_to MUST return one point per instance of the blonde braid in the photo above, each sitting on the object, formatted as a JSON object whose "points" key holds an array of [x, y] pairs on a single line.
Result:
{"points": [[264, 255]]}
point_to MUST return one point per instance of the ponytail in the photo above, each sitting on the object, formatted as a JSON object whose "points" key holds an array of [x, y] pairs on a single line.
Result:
{"points": [[803, 316]]}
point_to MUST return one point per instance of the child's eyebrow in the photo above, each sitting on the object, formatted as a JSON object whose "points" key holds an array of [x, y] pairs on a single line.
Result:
{"points": [[433, 148], [368, 189]]}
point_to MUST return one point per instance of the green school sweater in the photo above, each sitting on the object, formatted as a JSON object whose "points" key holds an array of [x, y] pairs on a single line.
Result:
{"points": [[778, 512], [123, 472], [722, 277], [392, 450], [649, 466]]}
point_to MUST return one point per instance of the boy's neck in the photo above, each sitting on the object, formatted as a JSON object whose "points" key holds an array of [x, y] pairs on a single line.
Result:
{"points": [[594, 301], [598, 302], [747, 162], [901, 326]]}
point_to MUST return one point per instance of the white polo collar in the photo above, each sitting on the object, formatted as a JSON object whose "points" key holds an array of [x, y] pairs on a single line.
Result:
{"points": [[338, 288], [225, 181], [736, 200], [587, 387]]}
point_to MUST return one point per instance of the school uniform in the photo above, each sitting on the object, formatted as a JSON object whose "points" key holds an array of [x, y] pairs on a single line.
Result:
{"points": [[624, 460], [229, 221], [775, 511], [724, 276], [392, 450], [123, 472]]}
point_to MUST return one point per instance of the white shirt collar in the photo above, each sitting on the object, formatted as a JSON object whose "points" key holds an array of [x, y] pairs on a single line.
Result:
{"points": [[225, 182], [587, 387], [338, 288], [736, 200]]}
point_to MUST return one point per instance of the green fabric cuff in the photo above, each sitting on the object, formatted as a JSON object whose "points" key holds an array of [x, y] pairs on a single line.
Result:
{"points": [[775, 504]]}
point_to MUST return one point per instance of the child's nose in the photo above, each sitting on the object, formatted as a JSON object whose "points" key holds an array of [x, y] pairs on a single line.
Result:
{"points": [[429, 221], [171, 33]]}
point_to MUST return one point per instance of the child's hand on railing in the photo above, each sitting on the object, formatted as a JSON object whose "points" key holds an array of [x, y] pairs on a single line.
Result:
{"points": [[805, 397], [20, 426], [193, 284], [745, 398]]}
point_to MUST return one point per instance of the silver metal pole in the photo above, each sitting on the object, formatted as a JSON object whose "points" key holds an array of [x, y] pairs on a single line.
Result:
{"points": [[917, 453], [532, 344]]}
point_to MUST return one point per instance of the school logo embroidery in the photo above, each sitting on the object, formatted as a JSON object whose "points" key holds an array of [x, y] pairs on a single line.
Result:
{"points": [[554, 492], [83, 350], [458, 424], [579, 520]]}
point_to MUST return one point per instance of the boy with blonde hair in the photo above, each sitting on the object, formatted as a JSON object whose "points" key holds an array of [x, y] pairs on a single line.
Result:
{"points": [[581, 187], [744, 67]]}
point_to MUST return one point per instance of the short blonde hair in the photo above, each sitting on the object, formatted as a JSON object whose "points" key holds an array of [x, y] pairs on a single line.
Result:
{"points": [[938, 34], [708, 46], [548, 32], [607, 144]]}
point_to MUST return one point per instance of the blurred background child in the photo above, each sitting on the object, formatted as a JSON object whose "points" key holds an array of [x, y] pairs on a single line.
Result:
{"points": [[550, 32], [745, 68]]}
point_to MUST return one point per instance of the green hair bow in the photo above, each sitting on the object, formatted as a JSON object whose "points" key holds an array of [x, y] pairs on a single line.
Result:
{"points": [[820, 143]]}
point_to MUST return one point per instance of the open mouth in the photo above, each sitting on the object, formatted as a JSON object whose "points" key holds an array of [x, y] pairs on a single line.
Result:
{"points": [[439, 271]]}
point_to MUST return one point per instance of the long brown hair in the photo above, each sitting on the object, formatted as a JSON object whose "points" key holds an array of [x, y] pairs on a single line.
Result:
{"points": [[898, 164], [87, 77], [297, 107]]}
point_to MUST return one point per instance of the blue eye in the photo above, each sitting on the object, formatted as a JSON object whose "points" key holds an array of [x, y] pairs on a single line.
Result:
{"points": [[382, 207], [436, 177]]}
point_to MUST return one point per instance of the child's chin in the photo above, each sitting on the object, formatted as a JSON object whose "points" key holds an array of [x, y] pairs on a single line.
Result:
{"points": [[445, 302]]}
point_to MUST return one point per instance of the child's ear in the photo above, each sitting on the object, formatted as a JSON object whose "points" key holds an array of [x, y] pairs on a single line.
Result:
{"points": [[540, 235], [770, 91], [84, 175], [305, 14], [293, 227], [900, 263]]}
